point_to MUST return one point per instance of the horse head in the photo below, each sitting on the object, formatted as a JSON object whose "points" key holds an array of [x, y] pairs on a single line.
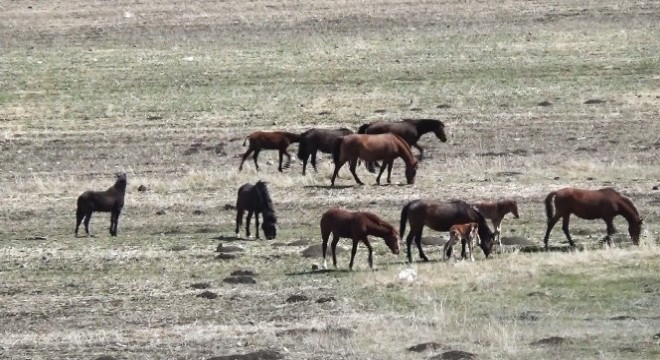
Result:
{"points": [[269, 226], [411, 171], [439, 131], [635, 229], [514, 209], [121, 176], [392, 241], [487, 245]]}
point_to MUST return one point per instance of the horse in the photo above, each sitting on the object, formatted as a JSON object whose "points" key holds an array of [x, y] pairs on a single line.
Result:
{"points": [[256, 199], [441, 216], [314, 140], [111, 200], [605, 203], [463, 233], [386, 147], [269, 140], [495, 211], [357, 226], [409, 130]]}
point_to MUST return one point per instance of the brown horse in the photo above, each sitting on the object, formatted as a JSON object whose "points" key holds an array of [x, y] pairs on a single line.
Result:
{"points": [[605, 203], [269, 140], [111, 200], [256, 199], [495, 211], [409, 130], [386, 147], [314, 140], [441, 216], [462, 233], [357, 226]]}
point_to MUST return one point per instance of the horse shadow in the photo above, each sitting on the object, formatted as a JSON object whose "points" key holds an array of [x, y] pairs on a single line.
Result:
{"points": [[322, 271], [329, 186], [232, 238]]}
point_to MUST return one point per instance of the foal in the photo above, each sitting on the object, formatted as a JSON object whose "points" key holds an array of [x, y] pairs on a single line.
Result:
{"points": [[357, 226], [111, 200], [265, 140], [462, 232], [495, 211]]}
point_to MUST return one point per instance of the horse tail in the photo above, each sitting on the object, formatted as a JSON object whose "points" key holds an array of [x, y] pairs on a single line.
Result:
{"points": [[548, 205], [404, 218], [246, 139], [302, 148], [336, 150], [363, 129]]}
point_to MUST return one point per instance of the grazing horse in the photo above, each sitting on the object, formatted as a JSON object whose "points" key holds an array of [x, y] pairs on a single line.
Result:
{"points": [[409, 130], [462, 233], [386, 147], [357, 226], [314, 140], [256, 199], [267, 140], [605, 203], [111, 200], [441, 216], [495, 211]]}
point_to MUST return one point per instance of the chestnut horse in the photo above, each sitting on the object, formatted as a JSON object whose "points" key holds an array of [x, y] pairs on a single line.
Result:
{"points": [[111, 200], [386, 147], [256, 199], [357, 226], [495, 211], [605, 203], [409, 130], [441, 216], [462, 233], [269, 140], [314, 140]]}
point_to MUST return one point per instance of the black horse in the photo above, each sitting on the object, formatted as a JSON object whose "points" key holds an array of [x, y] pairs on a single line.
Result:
{"points": [[408, 129], [111, 200], [440, 216], [314, 140], [256, 199]]}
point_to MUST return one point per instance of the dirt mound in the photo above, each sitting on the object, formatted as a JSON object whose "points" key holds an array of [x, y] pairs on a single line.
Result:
{"points": [[257, 355], [316, 251], [454, 355], [425, 347]]}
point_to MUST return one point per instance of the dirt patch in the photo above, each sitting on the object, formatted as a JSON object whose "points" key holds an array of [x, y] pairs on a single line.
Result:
{"points": [[428, 346], [257, 355], [454, 355], [509, 173], [517, 240], [200, 286], [317, 251], [323, 300], [299, 332], [296, 298], [208, 295], [595, 101], [551, 341], [243, 273], [531, 315], [239, 280], [622, 317], [178, 248], [544, 103]]}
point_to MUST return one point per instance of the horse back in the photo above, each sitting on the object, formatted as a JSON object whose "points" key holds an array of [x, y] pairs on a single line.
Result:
{"points": [[407, 131], [101, 201]]}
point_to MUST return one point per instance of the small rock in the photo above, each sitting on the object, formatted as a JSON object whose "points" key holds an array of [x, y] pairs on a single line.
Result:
{"points": [[142, 188], [200, 286], [240, 280], [296, 298], [315, 267], [325, 112], [208, 295], [243, 273], [223, 256], [425, 347], [556, 178], [38, 237], [544, 103], [160, 212], [454, 355], [323, 300]]}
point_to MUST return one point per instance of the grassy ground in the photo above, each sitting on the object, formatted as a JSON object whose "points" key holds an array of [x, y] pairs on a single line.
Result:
{"points": [[166, 92]]}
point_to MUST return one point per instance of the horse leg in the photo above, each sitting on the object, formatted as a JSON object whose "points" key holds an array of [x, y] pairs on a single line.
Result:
{"points": [[447, 249], [256, 222], [245, 156], [564, 227], [279, 168], [88, 217], [470, 243], [389, 171], [353, 251], [409, 240], [610, 231], [497, 224], [334, 174], [382, 170], [418, 242], [256, 154], [113, 222], [421, 151], [371, 252], [325, 235], [551, 224], [80, 215], [247, 223], [353, 165], [288, 159], [333, 245], [239, 219], [314, 159]]}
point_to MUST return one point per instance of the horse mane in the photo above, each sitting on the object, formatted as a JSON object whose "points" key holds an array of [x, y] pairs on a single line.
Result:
{"points": [[623, 198], [406, 146], [424, 125], [363, 128], [379, 222], [264, 195]]}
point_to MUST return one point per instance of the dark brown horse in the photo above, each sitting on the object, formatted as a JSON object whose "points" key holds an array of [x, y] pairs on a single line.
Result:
{"points": [[386, 147], [495, 211], [111, 200], [256, 200], [267, 140], [441, 216], [357, 226], [604, 204], [409, 130], [314, 140]]}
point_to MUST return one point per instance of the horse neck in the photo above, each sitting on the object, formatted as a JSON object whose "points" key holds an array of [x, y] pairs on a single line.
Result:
{"points": [[425, 125], [292, 137], [120, 187], [265, 200], [378, 229], [406, 154], [627, 210]]}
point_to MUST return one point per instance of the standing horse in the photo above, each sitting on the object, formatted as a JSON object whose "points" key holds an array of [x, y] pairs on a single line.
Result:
{"points": [[357, 226], [462, 233], [111, 200], [314, 140], [495, 211], [441, 216], [256, 199], [265, 140], [605, 203], [386, 147], [409, 130]]}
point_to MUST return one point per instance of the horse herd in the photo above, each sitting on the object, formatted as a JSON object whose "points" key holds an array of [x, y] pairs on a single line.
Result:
{"points": [[386, 141]]}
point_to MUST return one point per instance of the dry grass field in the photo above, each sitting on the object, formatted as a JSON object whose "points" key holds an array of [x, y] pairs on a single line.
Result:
{"points": [[166, 91]]}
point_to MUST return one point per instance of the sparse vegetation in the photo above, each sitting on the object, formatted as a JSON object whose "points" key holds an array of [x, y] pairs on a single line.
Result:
{"points": [[166, 92]]}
